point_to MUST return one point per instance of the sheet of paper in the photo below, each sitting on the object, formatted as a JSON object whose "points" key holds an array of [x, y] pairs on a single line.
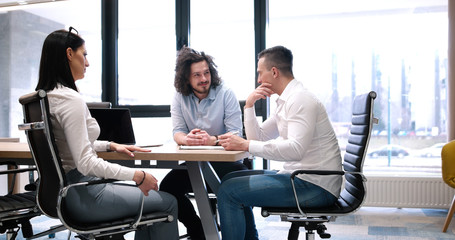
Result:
{"points": [[201, 148]]}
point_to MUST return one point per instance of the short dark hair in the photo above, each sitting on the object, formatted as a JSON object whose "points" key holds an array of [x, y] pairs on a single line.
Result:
{"points": [[279, 57], [54, 65], [185, 57]]}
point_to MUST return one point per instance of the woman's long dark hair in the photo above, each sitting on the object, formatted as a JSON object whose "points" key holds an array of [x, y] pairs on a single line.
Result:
{"points": [[54, 66], [187, 56]]}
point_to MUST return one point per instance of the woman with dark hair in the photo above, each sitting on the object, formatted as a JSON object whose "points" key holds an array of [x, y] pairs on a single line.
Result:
{"points": [[63, 61]]}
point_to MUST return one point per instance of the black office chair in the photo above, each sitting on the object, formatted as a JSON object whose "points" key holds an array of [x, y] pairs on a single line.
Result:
{"points": [[16, 209], [353, 194], [52, 185]]}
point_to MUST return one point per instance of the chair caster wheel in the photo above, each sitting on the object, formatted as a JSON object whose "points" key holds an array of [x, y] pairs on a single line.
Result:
{"points": [[325, 235]]}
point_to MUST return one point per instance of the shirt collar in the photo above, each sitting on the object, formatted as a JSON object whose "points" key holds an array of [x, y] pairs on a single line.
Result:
{"points": [[286, 92], [212, 93]]}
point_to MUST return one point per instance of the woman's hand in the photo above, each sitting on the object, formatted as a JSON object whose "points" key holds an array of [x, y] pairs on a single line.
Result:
{"points": [[145, 181], [127, 149], [233, 142]]}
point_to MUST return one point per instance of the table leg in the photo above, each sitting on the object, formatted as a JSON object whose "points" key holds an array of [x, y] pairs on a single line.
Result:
{"points": [[202, 200], [210, 176]]}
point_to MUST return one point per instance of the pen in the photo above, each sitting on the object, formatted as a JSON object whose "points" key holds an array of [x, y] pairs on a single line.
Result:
{"points": [[233, 133], [147, 146]]}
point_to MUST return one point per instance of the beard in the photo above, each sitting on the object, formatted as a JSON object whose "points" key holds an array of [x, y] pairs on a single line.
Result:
{"points": [[202, 89]]}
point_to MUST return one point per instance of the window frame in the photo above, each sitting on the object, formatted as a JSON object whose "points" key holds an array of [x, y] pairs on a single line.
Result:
{"points": [[109, 26]]}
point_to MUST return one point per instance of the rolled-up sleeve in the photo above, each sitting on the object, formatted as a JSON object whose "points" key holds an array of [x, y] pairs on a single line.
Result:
{"points": [[178, 121], [232, 113]]}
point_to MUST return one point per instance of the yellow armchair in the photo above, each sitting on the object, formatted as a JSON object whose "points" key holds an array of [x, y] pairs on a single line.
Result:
{"points": [[448, 175]]}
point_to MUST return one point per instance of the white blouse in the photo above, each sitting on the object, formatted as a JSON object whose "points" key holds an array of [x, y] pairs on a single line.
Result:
{"points": [[299, 133], [75, 133]]}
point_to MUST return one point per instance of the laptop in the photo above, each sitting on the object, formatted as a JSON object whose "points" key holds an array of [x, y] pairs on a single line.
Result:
{"points": [[115, 124]]}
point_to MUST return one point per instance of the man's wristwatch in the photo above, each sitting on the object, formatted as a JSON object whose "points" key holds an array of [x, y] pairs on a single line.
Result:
{"points": [[216, 141]]}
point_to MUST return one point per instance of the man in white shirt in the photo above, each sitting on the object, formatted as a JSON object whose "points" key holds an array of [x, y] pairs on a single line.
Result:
{"points": [[299, 133]]}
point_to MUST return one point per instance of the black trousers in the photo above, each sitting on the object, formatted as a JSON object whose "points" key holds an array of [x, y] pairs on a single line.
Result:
{"points": [[177, 182]]}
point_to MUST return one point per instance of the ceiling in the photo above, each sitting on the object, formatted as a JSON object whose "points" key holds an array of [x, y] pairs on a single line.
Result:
{"points": [[85, 13], [9, 3]]}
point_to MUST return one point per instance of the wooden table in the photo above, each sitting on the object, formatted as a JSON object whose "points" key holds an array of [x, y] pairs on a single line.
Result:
{"points": [[196, 163]]}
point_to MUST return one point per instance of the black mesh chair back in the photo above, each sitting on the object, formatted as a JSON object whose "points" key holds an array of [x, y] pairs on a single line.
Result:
{"points": [[44, 152], [354, 192]]}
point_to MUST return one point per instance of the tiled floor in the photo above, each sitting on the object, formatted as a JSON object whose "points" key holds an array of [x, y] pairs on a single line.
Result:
{"points": [[374, 223], [367, 224]]}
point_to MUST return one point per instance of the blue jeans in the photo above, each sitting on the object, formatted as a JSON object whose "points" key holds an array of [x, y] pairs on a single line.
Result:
{"points": [[237, 196]]}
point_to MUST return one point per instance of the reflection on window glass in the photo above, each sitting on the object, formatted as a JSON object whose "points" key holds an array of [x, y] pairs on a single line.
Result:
{"points": [[146, 52], [396, 48], [22, 35], [227, 37]]}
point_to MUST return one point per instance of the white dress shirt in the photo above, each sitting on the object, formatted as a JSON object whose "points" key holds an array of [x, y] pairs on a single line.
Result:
{"points": [[298, 133], [75, 133]]}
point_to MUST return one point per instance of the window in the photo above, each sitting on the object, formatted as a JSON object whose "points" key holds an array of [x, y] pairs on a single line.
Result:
{"points": [[146, 52], [341, 49], [396, 48], [225, 30], [22, 35]]}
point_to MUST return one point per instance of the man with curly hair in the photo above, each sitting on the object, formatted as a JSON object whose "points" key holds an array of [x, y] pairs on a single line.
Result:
{"points": [[202, 109]]}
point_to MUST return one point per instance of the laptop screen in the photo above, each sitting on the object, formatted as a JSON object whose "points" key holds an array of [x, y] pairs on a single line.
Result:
{"points": [[115, 124]]}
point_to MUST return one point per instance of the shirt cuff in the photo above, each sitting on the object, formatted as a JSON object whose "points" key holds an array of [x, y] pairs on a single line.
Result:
{"points": [[249, 112], [100, 145], [127, 173], [256, 147]]}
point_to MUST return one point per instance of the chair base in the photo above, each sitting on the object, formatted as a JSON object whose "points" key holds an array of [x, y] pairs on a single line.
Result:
{"points": [[310, 227], [11, 234], [118, 236], [50, 232]]}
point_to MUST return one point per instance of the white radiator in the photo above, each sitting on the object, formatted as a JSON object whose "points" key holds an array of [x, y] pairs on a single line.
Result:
{"points": [[408, 192]]}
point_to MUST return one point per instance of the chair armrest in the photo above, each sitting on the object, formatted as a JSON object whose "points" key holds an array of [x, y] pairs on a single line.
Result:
{"points": [[317, 172], [135, 223], [101, 181], [14, 172], [20, 170], [16, 169], [9, 164], [326, 172]]}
